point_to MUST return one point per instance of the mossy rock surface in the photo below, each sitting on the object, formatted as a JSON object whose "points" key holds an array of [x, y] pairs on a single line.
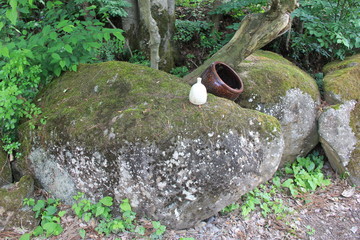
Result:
{"points": [[12, 212], [129, 131], [268, 76], [348, 62], [5, 169], [354, 164], [275, 86], [342, 80]]}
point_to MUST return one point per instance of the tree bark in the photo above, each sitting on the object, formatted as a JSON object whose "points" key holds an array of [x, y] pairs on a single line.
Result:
{"points": [[254, 32], [151, 25], [140, 31]]}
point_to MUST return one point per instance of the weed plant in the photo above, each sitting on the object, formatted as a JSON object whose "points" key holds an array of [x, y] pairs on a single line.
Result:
{"points": [[100, 212], [302, 176]]}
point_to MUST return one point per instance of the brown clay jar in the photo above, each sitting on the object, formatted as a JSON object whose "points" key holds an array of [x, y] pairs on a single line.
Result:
{"points": [[222, 81]]}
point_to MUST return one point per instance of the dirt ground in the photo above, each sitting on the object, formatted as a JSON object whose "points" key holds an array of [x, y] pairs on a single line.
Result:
{"points": [[329, 213]]}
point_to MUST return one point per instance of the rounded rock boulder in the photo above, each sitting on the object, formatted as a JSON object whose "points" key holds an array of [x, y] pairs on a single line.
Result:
{"points": [[129, 131], [275, 86]]}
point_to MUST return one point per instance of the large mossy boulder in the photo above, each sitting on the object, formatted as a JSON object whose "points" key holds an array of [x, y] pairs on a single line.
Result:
{"points": [[129, 131], [342, 80], [275, 86], [5, 169]]}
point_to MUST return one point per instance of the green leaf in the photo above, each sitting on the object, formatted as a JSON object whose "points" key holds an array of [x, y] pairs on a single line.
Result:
{"points": [[12, 15], [68, 29], [288, 183], [118, 34], [312, 185], [125, 205], [107, 201], [62, 24], [68, 48], [62, 64], [55, 56], [50, 228], [293, 191], [61, 213], [1, 25], [289, 170], [39, 205], [38, 231], [118, 225], [25, 236], [87, 217], [310, 166], [99, 210], [4, 51], [140, 230], [82, 233], [51, 210], [156, 224], [57, 71], [53, 35]]}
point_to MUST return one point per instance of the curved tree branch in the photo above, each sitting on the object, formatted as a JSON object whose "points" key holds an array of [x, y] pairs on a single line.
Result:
{"points": [[254, 32]]}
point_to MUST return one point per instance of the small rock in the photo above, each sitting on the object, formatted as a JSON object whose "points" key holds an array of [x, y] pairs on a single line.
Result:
{"points": [[261, 222], [354, 229], [200, 225], [348, 192]]}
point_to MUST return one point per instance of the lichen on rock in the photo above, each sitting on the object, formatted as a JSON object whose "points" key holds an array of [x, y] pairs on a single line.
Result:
{"points": [[340, 123], [129, 131], [340, 140], [275, 86]]}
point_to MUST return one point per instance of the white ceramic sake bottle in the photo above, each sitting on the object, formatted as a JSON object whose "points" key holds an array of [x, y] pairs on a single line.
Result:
{"points": [[198, 93]]}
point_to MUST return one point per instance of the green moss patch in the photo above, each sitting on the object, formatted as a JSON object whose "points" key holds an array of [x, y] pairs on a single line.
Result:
{"points": [[354, 164], [111, 103], [267, 76], [346, 63], [343, 79], [13, 196]]}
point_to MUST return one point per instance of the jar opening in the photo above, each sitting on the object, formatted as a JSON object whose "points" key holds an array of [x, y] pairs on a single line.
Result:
{"points": [[228, 76]]}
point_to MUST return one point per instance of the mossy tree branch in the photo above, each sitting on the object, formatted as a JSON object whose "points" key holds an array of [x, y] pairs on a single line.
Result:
{"points": [[254, 32]]}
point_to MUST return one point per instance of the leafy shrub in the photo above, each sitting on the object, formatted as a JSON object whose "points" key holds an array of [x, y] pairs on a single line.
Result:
{"points": [[329, 27], [307, 174], [239, 8], [100, 212], [39, 41], [110, 50], [197, 35], [180, 71], [50, 216], [322, 30], [302, 176], [139, 57], [194, 3], [187, 31]]}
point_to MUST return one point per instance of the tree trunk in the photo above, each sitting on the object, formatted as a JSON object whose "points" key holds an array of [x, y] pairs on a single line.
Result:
{"points": [[254, 32], [151, 25], [147, 21]]}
